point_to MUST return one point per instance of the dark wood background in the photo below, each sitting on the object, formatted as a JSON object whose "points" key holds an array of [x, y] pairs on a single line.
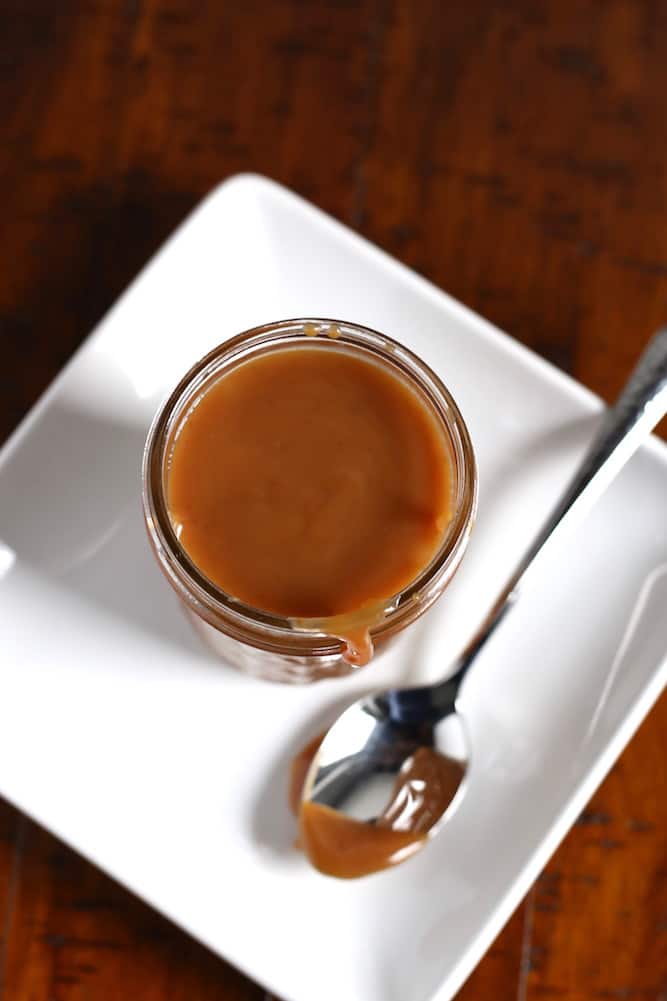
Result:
{"points": [[515, 153]]}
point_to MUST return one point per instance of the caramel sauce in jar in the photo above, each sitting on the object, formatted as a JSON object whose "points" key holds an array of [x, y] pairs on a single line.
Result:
{"points": [[309, 489], [311, 484]]}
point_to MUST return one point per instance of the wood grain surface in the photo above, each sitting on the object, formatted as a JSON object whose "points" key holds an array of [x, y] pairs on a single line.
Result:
{"points": [[515, 153]]}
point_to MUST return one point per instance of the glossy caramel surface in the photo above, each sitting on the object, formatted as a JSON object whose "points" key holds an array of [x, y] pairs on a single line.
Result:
{"points": [[310, 482], [341, 846]]}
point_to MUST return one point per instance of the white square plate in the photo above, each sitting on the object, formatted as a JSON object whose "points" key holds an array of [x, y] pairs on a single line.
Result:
{"points": [[122, 735]]}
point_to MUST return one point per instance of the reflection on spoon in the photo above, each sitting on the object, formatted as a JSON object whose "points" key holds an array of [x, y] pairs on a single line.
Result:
{"points": [[342, 846]]}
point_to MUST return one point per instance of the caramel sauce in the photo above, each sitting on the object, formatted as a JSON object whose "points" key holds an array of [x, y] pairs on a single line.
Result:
{"points": [[338, 845], [313, 484], [424, 788]]}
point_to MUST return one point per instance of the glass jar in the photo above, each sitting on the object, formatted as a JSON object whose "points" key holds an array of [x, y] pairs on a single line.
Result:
{"points": [[260, 643]]}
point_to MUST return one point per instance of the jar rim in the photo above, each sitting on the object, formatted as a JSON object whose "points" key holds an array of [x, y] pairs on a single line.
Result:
{"points": [[266, 629]]}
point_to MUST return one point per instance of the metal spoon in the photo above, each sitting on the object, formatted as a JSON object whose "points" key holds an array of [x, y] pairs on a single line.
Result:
{"points": [[372, 743]]}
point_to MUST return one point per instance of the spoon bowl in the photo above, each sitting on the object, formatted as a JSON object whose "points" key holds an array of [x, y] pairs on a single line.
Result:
{"points": [[371, 764]]}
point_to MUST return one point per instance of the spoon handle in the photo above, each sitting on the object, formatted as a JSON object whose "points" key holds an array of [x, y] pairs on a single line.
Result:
{"points": [[624, 426]]}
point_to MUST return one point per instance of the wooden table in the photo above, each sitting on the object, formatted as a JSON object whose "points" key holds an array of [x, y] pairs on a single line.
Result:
{"points": [[514, 152]]}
